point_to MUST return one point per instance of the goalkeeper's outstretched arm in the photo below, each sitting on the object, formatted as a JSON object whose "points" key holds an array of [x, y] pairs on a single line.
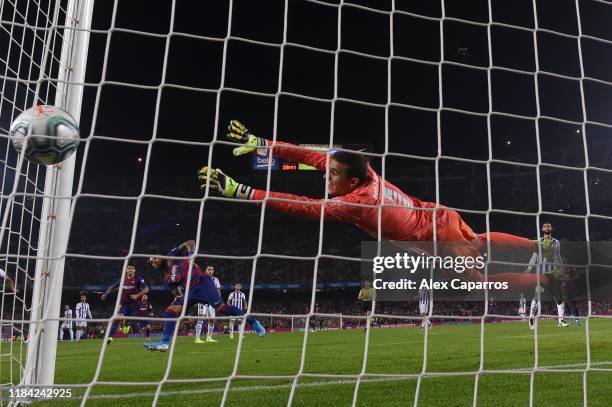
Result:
{"points": [[341, 208], [348, 171], [291, 152]]}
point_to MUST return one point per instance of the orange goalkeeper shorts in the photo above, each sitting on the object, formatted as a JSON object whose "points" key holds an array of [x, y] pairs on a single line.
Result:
{"points": [[456, 229]]}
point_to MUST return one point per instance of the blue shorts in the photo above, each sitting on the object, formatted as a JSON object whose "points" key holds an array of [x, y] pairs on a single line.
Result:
{"points": [[128, 311], [143, 323], [204, 292]]}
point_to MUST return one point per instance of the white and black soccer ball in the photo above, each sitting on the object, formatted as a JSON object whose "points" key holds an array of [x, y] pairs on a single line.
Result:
{"points": [[54, 134]]}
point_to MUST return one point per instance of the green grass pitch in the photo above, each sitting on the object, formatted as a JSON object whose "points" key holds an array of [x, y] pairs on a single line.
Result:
{"points": [[392, 351]]}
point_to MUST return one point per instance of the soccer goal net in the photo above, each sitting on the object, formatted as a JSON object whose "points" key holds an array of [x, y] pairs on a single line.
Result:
{"points": [[497, 110], [42, 63]]}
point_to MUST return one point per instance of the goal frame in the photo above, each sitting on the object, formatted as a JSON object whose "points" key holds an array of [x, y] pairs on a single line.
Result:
{"points": [[57, 204]]}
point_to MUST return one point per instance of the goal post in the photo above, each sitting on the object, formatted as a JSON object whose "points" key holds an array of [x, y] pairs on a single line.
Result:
{"points": [[57, 204]]}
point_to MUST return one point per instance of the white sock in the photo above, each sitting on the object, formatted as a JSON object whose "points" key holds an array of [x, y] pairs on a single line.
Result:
{"points": [[561, 311], [78, 335], [199, 328], [231, 324], [71, 333], [211, 328], [533, 309], [61, 335]]}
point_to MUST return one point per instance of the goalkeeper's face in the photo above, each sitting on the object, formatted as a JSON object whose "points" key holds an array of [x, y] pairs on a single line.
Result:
{"points": [[339, 182]]}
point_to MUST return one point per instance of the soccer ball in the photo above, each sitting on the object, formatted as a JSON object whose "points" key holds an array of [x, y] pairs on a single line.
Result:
{"points": [[54, 134]]}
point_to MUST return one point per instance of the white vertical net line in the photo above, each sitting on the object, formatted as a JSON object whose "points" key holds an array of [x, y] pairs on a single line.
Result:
{"points": [[258, 252], [438, 111], [585, 178], [489, 198], [379, 209], [7, 261], [81, 178], [200, 214], [31, 250], [334, 100], [534, 34]]}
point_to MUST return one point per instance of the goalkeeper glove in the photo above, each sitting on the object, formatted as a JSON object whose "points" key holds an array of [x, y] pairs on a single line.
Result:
{"points": [[240, 134], [223, 184]]}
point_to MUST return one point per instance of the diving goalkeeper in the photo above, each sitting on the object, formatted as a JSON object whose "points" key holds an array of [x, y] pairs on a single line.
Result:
{"points": [[357, 192]]}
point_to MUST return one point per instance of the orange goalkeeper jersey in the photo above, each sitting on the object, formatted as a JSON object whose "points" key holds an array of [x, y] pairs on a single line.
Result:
{"points": [[407, 219]]}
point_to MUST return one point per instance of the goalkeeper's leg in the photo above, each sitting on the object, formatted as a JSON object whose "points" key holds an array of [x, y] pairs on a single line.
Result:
{"points": [[467, 243], [505, 241]]}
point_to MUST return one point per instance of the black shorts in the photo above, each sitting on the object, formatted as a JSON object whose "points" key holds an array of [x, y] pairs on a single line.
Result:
{"points": [[366, 306]]}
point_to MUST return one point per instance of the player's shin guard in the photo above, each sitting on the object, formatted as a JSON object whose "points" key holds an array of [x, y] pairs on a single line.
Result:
{"points": [[168, 326], [198, 331]]}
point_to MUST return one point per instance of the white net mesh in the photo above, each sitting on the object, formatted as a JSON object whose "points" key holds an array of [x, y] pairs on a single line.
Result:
{"points": [[399, 70]]}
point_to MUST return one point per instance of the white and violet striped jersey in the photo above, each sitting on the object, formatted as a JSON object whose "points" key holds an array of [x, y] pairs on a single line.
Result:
{"points": [[83, 311], [424, 296], [67, 323], [237, 299]]}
